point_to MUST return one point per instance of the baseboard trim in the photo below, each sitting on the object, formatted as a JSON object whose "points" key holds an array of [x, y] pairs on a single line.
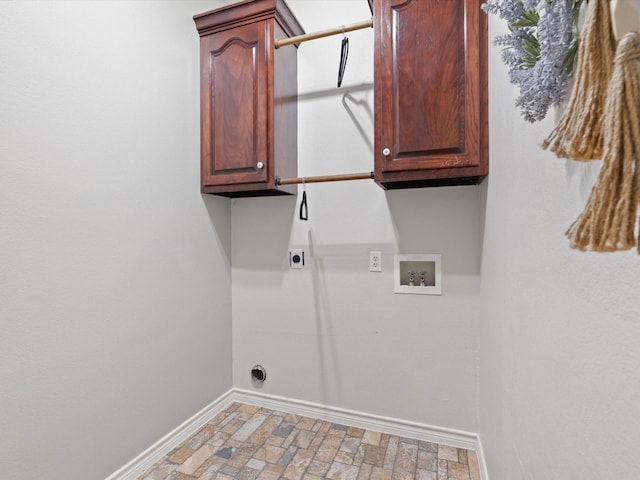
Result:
{"points": [[393, 426], [482, 462], [352, 418], [155, 452]]}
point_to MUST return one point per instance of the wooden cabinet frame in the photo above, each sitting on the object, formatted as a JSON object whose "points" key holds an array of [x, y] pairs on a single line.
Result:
{"points": [[430, 93], [248, 99]]}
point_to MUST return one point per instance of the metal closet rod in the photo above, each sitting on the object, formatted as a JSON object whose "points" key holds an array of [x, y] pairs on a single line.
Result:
{"points": [[324, 33], [324, 178]]}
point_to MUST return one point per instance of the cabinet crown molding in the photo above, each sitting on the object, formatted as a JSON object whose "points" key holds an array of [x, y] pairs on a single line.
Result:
{"points": [[248, 11]]}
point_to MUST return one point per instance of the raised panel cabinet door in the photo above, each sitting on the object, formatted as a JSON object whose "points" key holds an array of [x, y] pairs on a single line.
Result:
{"points": [[427, 89], [234, 106]]}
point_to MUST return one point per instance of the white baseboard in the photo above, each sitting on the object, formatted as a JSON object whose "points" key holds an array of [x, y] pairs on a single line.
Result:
{"points": [[482, 461], [155, 452], [393, 426]]}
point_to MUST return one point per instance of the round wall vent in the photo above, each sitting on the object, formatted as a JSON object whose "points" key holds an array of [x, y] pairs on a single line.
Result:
{"points": [[258, 374]]}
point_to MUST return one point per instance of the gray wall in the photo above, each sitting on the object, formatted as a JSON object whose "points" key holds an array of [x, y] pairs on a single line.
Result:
{"points": [[115, 296], [335, 333], [560, 391]]}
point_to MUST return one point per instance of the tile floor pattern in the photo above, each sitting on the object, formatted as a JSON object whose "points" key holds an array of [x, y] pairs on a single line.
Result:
{"points": [[249, 442]]}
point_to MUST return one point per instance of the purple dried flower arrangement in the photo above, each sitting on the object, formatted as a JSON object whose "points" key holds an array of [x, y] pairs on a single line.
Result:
{"points": [[540, 49]]}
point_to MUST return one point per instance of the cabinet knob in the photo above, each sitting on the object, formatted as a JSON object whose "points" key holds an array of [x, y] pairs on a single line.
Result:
{"points": [[386, 152], [260, 165]]}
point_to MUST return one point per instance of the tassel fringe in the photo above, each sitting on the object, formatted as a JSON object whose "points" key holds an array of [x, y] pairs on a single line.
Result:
{"points": [[608, 220], [579, 134]]}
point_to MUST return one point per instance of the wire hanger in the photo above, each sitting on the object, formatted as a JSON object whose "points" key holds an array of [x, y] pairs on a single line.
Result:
{"points": [[344, 53], [304, 212]]}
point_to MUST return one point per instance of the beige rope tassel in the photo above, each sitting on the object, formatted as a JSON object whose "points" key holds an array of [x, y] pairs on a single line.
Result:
{"points": [[608, 220], [579, 133]]}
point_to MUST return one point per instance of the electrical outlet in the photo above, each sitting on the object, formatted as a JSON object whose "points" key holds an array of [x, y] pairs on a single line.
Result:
{"points": [[375, 261], [296, 258]]}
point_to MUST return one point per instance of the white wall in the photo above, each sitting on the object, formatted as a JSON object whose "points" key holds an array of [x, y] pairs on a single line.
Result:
{"points": [[335, 333], [115, 299], [560, 391]]}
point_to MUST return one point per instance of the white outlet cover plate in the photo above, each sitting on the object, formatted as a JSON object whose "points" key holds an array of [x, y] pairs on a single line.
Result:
{"points": [[375, 261]]}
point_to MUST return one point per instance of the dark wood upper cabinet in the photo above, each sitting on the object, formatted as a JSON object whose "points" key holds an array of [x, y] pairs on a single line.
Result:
{"points": [[430, 93], [248, 99]]}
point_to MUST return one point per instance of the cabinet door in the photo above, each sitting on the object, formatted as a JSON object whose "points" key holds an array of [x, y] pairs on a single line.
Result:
{"points": [[427, 89], [234, 106]]}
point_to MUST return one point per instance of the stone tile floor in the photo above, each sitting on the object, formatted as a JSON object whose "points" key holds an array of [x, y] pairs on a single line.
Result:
{"points": [[249, 442]]}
